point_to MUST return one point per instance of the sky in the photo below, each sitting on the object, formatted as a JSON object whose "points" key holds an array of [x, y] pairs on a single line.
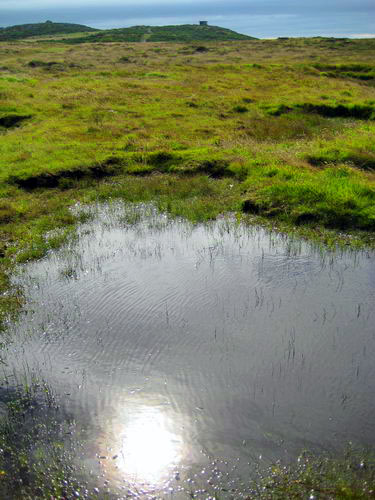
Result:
{"points": [[260, 18]]}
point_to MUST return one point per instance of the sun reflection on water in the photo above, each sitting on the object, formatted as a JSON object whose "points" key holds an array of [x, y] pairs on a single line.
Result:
{"points": [[148, 449]]}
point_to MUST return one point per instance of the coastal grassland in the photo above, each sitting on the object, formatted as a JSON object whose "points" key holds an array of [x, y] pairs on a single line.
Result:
{"points": [[279, 131], [250, 111], [171, 33], [23, 31]]}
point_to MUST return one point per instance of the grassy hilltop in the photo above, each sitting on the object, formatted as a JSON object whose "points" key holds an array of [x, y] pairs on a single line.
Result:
{"points": [[22, 31], [180, 33], [278, 131]]}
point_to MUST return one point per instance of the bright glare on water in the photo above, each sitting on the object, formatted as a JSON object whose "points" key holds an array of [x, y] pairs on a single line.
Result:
{"points": [[147, 447]]}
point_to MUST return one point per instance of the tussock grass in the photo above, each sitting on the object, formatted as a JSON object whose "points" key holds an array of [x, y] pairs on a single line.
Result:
{"points": [[364, 72], [354, 147], [333, 197], [329, 110]]}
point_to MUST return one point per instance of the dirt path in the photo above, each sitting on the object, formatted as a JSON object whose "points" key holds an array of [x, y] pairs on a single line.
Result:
{"points": [[147, 35]]}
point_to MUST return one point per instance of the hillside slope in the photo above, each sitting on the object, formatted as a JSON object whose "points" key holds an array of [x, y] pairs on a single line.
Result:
{"points": [[21, 31], [180, 33]]}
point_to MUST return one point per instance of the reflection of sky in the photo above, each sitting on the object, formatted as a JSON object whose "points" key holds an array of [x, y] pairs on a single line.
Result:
{"points": [[371, 276], [145, 447]]}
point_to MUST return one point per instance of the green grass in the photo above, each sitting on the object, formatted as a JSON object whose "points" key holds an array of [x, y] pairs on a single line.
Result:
{"points": [[22, 31], [73, 117], [178, 33], [354, 148], [333, 197]]}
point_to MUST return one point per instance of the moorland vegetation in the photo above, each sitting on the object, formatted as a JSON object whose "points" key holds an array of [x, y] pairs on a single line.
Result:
{"points": [[279, 131], [22, 31], [179, 33], [84, 34]]}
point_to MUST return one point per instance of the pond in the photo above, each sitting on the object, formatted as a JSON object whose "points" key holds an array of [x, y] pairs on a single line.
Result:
{"points": [[191, 353]]}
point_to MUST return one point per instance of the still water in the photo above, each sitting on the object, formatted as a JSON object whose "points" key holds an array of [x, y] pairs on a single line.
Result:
{"points": [[181, 346]]}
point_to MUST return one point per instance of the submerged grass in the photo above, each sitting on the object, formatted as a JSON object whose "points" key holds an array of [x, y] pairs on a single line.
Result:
{"points": [[350, 477], [38, 451]]}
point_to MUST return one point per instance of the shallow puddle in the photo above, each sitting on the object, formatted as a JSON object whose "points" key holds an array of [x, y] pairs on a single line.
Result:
{"points": [[184, 349]]}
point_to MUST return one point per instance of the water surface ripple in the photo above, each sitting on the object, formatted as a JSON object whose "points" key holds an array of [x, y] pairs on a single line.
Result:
{"points": [[178, 343]]}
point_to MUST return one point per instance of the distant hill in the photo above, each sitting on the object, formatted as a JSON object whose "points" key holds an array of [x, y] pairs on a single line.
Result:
{"points": [[180, 33], [39, 29]]}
